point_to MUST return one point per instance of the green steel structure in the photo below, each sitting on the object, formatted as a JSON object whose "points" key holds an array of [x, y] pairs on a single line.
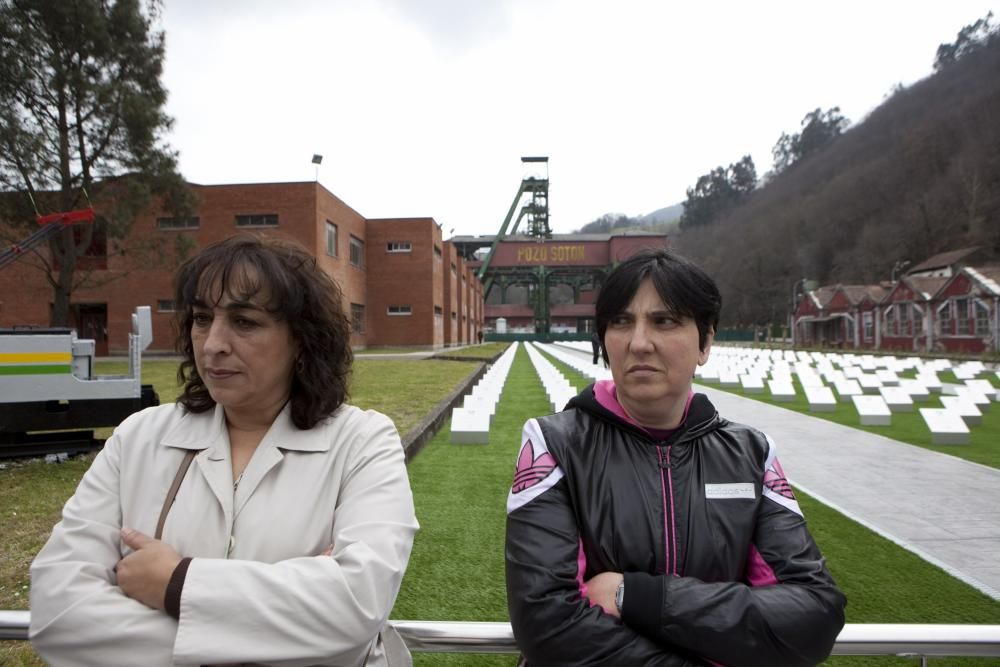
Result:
{"points": [[536, 210], [544, 264]]}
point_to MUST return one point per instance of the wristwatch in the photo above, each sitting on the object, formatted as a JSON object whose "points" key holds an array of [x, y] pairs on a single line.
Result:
{"points": [[620, 596]]}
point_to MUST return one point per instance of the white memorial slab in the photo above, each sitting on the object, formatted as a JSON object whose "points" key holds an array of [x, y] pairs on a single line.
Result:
{"points": [[897, 398], [870, 383], [729, 378], [810, 379], [887, 377], [964, 408], [981, 400], [708, 374], [985, 387], [946, 427], [872, 410], [781, 391], [847, 389], [821, 399], [915, 388], [930, 380], [469, 427], [969, 370], [752, 384]]}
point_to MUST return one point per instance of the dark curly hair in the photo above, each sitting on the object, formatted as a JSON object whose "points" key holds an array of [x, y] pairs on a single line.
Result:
{"points": [[298, 292]]}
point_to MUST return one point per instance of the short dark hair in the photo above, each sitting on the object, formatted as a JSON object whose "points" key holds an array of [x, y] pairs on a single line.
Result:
{"points": [[298, 292], [684, 287]]}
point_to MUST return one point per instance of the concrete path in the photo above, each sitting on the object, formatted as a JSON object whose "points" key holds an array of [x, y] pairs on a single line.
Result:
{"points": [[943, 508]]}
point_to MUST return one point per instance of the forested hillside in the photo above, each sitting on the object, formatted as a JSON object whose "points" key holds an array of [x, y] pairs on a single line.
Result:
{"points": [[918, 176]]}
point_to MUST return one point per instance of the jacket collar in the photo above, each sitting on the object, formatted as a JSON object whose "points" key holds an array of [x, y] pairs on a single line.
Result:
{"points": [[206, 430], [701, 416]]}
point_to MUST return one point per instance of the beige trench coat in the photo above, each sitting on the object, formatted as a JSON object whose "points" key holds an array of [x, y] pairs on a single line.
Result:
{"points": [[258, 589]]}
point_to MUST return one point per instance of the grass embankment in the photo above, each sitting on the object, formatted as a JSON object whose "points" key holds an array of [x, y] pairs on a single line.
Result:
{"points": [[909, 427], [883, 582], [32, 493], [484, 351]]}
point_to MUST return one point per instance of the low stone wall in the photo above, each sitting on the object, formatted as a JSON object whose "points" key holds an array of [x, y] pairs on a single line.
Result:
{"points": [[419, 435]]}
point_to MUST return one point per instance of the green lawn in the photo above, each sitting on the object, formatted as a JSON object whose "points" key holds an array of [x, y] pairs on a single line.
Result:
{"points": [[483, 351], [456, 571]]}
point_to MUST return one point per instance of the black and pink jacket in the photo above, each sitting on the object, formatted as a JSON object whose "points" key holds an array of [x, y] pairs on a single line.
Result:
{"points": [[719, 566]]}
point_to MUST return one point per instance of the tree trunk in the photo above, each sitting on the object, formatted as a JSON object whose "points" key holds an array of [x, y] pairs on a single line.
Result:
{"points": [[64, 251]]}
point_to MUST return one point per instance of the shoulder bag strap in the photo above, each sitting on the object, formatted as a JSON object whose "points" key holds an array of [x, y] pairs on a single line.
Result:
{"points": [[172, 493]]}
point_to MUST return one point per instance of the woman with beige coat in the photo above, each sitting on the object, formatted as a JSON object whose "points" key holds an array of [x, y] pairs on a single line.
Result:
{"points": [[260, 519]]}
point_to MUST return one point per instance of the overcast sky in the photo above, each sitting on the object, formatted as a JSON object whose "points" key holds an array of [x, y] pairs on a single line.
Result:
{"points": [[425, 107]]}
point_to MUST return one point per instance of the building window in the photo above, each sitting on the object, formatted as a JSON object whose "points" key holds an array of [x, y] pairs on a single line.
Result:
{"points": [[166, 306], [453, 316], [946, 326], [454, 270], [398, 246], [187, 222], [357, 252], [982, 319], [357, 318], [962, 316], [904, 320], [257, 220], [331, 239], [437, 252], [868, 324], [438, 313], [398, 310], [891, 325]]}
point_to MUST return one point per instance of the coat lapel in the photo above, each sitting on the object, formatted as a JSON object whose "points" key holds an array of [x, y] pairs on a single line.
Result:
{"points": [[213, 461], [281, 440]]}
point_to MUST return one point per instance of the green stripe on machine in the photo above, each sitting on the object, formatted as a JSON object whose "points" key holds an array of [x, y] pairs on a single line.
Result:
{"points": [[36, 369]]}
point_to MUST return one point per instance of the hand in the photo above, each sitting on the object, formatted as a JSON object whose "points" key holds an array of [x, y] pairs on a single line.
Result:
{"points": [[143, 575], [601, 591]]}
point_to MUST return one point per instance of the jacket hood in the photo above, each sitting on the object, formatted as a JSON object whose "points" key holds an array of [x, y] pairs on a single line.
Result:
{"points": [[702, 416]]}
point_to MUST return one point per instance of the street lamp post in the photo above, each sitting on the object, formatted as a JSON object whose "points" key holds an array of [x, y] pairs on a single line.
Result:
{"points": [[898, 266], [317, 160]]}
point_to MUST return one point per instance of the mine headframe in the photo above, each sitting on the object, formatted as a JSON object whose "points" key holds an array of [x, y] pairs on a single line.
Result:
{"points": [[533, 199]]}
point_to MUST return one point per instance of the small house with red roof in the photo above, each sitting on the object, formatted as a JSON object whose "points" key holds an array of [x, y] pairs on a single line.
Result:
{"points": [[906, 314], [941, 305], [967, 310], [839, 316]]}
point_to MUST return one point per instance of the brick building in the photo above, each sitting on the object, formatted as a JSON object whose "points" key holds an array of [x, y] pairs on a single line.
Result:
{"points": [[401, 280], [543, 286]]}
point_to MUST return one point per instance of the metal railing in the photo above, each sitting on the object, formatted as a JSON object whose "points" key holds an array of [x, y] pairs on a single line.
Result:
{"points": [[911, 640]]}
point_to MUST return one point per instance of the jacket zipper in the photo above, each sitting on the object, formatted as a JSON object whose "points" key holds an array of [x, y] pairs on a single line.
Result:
{"points": [[667, 487]]}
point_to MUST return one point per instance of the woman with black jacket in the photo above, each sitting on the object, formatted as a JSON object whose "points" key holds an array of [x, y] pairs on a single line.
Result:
{"points": [[645, 529]]}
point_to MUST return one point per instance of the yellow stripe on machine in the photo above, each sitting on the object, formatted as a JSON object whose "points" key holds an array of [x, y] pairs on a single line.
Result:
{"points": [[34, 357]]}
